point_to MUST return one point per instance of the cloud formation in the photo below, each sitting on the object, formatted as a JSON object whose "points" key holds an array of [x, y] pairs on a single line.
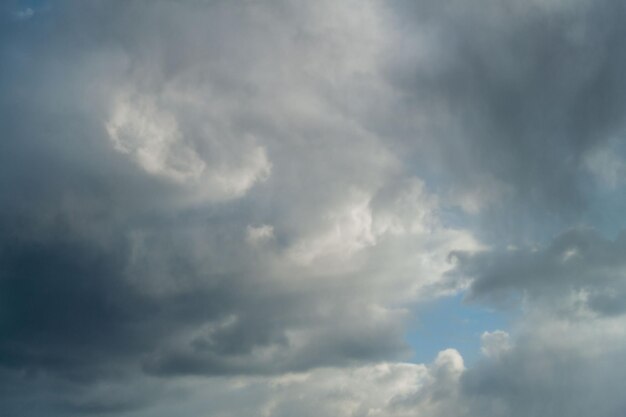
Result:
{"points": [[234, 208]]}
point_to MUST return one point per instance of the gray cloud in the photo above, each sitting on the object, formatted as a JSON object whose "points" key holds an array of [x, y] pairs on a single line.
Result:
{"points": [[240, 196], [510, 100], [578, 270], [135, 167]]}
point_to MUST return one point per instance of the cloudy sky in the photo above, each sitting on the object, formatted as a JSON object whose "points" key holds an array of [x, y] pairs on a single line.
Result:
{"points": [[329, 208]]}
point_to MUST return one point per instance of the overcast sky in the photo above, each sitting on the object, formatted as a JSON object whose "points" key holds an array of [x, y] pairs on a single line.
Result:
{"points": [[328, 208]]}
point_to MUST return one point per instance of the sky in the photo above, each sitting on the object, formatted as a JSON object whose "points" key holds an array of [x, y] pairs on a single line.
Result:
{"points": [[330, 208]]}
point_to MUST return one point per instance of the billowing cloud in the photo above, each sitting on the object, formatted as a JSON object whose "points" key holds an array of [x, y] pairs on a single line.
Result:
{"points": [[195, 208], [234, 208]]}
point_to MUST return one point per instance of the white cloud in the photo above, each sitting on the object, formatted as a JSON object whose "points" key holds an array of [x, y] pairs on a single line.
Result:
{"points": [[152, 138], [495, 343], [256, 235]]}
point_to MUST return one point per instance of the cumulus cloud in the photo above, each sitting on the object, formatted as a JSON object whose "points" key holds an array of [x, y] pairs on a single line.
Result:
{"points": [[199, 209], [233, 208]]}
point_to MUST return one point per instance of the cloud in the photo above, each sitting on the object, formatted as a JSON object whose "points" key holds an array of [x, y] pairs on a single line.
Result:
{"points": [[233, 208], [495, 343], [259, 234], [377, 389], [509, 100], [152, 138], [206, 203], [579, 272]]}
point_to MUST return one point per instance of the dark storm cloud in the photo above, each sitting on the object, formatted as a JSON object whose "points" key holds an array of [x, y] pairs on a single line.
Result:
{"points": [[56, 295], [68, 308], [517, 93], [580, 263], [110, 257], [226, 189], [105, 270]]}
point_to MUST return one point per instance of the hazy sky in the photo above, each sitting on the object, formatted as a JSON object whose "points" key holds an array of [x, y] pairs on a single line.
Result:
{"points": [[324, 208]]}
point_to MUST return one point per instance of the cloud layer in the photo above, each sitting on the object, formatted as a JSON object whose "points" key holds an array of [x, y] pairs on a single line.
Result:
{"points": [[233, 208]]}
